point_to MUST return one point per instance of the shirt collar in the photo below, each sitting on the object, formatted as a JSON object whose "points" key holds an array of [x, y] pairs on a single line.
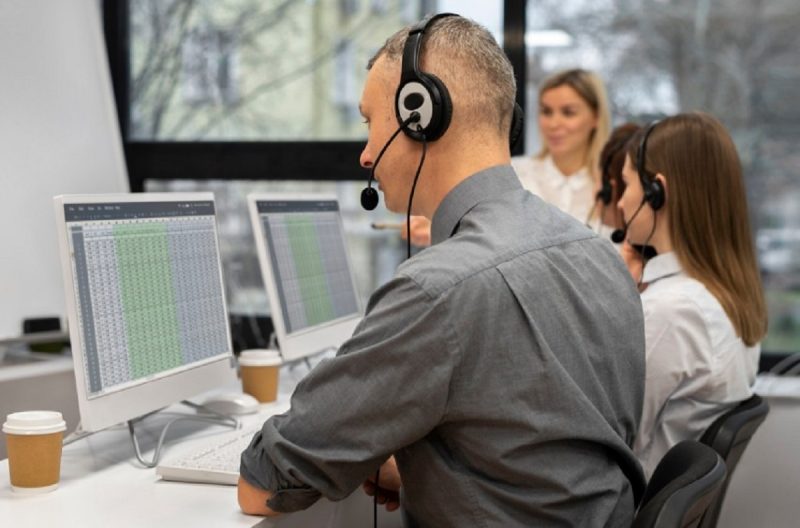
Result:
{"points": [[482, 185], [576, 181], [661, 266]]}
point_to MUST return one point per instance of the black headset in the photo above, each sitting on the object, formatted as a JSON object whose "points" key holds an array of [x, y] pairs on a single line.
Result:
{"points": [[427, 95], [653, 189], [605, 192]]}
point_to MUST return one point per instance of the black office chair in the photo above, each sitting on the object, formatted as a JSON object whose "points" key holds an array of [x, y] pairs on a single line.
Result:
{"points": [[683, 485], [729, 436]]}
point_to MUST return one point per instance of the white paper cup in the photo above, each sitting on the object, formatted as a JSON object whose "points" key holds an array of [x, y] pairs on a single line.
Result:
{"points": [[34, 440], [259, 369]]}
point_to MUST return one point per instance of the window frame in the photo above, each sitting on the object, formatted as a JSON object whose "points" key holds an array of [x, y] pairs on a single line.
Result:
{"points": [[254, 160]]}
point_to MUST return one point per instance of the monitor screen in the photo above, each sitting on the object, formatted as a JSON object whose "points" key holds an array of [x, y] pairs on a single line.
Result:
{"points": [[146, 306], [303, 256]]}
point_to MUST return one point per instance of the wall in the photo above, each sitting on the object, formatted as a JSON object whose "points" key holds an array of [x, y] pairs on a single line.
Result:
{"points": [[58, 135]]}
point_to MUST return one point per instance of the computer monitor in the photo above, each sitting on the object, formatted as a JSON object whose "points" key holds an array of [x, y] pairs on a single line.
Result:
{"points": [[303, 257], [145, 302]]}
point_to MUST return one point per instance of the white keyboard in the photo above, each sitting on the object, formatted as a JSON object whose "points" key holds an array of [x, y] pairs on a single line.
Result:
{"points": [[214, 463]]}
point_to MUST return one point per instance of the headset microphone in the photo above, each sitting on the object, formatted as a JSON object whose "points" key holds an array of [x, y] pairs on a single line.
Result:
{"points": [[369, 196], [618, 236]]}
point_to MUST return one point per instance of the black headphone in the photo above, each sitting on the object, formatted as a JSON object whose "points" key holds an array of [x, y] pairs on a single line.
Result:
{"points": [[605, 192], [427, 95], [423, 102], [653, 189]]}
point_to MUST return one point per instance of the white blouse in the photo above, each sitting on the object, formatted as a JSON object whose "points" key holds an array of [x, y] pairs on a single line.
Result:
{"points": [[696, 366], [572, 194]]}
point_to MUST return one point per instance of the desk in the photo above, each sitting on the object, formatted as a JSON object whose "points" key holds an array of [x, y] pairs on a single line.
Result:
{"points": [[103, 486]]}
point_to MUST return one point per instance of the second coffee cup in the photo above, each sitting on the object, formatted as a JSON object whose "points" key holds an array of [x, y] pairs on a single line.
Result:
{"points": [[259, 370]]}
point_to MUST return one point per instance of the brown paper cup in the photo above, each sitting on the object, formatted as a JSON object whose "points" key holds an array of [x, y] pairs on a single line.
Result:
{"points": [[261, 383], [259, 371], [34, 440]]}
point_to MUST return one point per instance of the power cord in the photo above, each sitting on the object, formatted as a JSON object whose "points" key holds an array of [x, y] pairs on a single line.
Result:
{"points": [[375, 499]]}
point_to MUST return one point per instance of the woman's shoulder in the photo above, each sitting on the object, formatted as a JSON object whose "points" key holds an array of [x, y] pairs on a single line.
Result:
{"points": [[531, 171], [677, 297], [528, 163], [683, 301]]}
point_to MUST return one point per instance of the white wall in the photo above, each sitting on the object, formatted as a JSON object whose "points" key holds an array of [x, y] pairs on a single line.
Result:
{"points": [[58, 134]]}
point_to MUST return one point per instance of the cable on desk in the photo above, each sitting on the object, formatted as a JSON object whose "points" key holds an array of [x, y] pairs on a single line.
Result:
{"points": [[213, 417]]}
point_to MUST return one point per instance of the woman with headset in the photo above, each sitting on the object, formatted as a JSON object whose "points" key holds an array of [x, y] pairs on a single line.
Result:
{"points": [[612, 158], [574, 122], [704, 308]]}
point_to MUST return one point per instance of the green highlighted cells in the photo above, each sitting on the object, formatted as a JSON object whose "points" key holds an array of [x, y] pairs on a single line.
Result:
{"points": [[148, 298], [308, 263]]}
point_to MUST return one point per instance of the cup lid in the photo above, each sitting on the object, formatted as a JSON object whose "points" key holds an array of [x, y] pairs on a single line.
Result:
{"points": [[260, 357], [34, 423]]}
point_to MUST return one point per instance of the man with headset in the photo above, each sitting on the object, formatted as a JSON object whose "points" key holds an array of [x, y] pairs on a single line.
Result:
{"points": [[499, 375]]}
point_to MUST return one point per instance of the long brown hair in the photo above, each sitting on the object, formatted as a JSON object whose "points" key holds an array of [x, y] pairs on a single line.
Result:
{"points": [[592, 90], [707, 214]]}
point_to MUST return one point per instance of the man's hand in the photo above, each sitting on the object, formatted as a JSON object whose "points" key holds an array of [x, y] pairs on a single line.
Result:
{"points": [[253, 500], [420, 231], [389, 487]]}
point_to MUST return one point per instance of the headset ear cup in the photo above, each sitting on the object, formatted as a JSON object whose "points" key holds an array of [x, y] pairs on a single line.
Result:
{"points": [[442, 107], [656, 196], [517, 123], [606, 192]]}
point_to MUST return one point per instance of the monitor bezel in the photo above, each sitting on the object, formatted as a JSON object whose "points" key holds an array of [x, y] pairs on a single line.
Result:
{"points": [[152, 393], [308, 341]]}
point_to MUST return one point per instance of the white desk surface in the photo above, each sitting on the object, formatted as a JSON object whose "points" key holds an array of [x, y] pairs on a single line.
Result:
{"points": [[102, 485]]}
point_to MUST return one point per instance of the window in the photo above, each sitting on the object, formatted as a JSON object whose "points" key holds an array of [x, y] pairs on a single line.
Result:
{"points": [[245, 70]]}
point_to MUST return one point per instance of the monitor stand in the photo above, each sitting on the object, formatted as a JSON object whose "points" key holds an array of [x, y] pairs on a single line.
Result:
{"points": [[208, 416]]}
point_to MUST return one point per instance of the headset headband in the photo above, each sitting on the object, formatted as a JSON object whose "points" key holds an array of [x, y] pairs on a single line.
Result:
{"points": [[653, 190], [413, 46]]}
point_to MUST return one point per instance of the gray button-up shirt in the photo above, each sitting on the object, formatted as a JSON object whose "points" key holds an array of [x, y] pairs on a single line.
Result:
{"points": [[503, 367]]}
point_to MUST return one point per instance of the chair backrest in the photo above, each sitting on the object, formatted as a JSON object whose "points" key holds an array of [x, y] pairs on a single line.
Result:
{"points": [[729, 436], [683, 485]]}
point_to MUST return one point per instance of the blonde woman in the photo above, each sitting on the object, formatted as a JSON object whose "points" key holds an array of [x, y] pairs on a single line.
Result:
{"points": [[574, 123], [703, 303]]}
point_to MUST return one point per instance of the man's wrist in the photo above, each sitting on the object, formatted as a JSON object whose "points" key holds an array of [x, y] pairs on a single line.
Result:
{"points": [[253, 500]]}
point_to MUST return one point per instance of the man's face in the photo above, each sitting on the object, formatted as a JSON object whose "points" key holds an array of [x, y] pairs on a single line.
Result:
{"points": [[394, 172]]}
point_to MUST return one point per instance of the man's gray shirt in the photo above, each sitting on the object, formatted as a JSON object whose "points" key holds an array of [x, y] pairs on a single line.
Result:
{"points": [[503, 367]]}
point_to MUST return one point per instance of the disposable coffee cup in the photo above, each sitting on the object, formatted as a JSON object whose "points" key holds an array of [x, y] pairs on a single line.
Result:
{"points": [[259, 369], [34, 441]]}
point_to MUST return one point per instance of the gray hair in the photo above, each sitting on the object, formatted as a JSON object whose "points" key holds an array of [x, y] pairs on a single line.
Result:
{"points": [[466, 58]]}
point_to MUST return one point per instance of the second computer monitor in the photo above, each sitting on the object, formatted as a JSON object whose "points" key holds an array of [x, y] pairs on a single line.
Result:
{"points": [[303, 257]]}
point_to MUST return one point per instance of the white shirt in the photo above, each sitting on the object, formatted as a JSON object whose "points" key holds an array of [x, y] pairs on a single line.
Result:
{"points": [[696, 366], [572, 194]]}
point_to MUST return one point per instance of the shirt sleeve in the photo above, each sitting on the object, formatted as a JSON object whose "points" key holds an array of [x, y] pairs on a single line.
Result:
{"points": [[386, 388], [678, 356]]}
